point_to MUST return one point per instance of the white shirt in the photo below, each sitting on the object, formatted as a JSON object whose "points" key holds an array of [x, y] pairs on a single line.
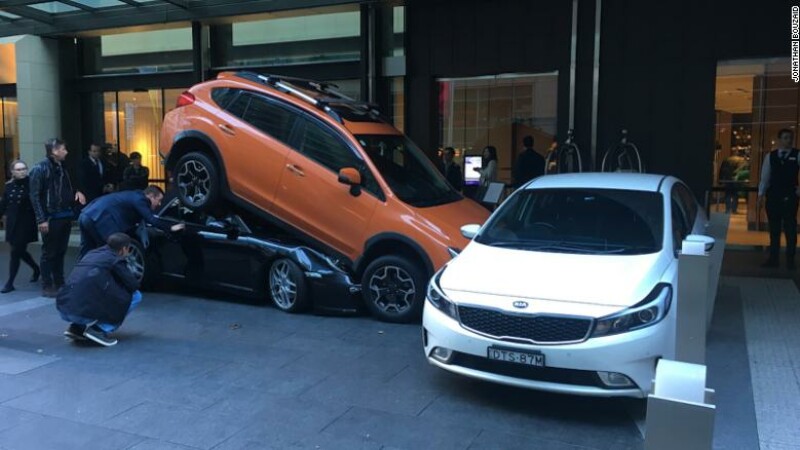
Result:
{"points": [[766, 172], [488, 173]]}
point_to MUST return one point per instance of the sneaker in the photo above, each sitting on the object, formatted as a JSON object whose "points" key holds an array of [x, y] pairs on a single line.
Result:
{"points": [[75, 332], [99, 336]]}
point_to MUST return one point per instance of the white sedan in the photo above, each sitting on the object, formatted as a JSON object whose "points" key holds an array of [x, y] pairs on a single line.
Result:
{"points": [[569, 287]]}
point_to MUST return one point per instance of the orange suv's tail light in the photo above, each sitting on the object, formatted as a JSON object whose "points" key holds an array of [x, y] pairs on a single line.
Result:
{"points": [[185, 99]]}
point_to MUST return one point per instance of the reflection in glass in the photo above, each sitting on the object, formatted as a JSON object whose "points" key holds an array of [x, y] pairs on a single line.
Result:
{"points": [[138, 52], [9, 137], [499, 111]]}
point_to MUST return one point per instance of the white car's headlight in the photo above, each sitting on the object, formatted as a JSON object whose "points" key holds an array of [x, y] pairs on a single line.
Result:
{"points": [[437, 298], [647, 313]]}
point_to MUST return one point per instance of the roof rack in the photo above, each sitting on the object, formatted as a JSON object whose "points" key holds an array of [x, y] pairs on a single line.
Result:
{"points": [[296, 86]]}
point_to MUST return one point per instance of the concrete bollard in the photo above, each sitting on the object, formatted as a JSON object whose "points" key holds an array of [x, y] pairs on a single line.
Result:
{"points": [[679, 413], [691, 309]]}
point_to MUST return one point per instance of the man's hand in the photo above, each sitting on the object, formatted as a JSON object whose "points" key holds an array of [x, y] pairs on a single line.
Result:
{"points": [[178, 227], [80, 198], [44, 227]]}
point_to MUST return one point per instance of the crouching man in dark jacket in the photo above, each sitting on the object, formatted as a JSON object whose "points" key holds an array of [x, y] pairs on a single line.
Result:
{"points": [[99, 293]]}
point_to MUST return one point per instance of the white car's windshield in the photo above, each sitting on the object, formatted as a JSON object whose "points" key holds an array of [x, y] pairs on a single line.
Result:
{"points": [[596, 221], [409, 173]]}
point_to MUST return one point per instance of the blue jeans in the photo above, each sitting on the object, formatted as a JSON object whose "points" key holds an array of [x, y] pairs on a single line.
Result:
{"points": [[107, 327]]}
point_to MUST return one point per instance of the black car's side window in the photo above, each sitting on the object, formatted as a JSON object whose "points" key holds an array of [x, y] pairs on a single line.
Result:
{"points": [[326, 148], [688, 202], [270, 117]]}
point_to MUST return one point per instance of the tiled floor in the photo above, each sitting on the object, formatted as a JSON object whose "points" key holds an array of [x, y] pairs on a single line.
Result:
{"points": [[193, 373]]}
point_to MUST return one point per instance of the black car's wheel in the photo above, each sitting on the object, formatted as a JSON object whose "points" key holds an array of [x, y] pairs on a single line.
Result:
{"points": [[197, 178], [394, 289], [287, 286], [145, 267]]}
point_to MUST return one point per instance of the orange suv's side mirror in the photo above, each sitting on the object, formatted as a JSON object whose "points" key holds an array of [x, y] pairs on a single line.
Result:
{"points": [[351, 177]]}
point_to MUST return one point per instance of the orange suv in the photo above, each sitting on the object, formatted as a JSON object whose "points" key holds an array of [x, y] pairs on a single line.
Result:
{"points": [[301, 155]]}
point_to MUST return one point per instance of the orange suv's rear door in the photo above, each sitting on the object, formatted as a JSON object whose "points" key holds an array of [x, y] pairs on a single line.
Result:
{"points": [[311, 197], [256, 146]]}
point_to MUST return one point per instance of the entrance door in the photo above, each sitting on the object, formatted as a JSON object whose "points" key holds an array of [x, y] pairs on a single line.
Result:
{"points": [[754, 100]]}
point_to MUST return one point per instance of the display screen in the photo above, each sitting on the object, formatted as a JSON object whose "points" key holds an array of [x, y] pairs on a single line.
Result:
{"points": [[471, 176]]}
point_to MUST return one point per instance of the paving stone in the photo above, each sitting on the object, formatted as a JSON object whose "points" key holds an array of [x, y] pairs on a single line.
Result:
{"points": [[54, 433], [178, 425], [10, 418], [402, 431], [154, 444], [494, 440]]}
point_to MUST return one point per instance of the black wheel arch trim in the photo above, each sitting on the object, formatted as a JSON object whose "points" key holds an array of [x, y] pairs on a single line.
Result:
{"points": [[172, 159], [381, 238]]}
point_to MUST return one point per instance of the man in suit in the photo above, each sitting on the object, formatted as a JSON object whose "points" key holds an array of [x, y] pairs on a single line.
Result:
{"points": [[451, 170], [120, 212], [93, 174], [529, 165], [779, 183]]}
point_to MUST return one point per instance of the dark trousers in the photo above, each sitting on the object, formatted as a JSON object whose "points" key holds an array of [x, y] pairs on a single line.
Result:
{"points": [[19, 253], [732, 198], [90, 238], [54, 247], [782, 215]]}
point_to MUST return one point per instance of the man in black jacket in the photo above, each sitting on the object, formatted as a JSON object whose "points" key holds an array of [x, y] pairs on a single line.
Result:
{"points": [[451, 170], [529, 165], [100, 293], [53, 198], [93, 173]]}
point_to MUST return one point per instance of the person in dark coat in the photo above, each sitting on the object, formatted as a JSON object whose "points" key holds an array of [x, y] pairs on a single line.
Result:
{"points": [[120, 212], [93, 173], [117, 162], [100, 292], [136, 176], [529, 164], [53, 200], [20, 223], [451, 170]]}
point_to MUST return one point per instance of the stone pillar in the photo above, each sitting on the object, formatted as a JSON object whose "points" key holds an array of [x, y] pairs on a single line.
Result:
{"points": [[38, 95]]}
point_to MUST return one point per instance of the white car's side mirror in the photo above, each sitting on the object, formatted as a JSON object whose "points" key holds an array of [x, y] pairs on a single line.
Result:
{"points": [[470, 231], [707, 241]]}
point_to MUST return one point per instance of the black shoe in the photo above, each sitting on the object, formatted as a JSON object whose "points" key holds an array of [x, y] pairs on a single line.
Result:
{"points": [[6, 289], [770, 264], [75, 332], [35, 276], [94, 333]]}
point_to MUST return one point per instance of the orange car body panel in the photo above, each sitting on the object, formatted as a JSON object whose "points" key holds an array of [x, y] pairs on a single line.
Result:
{"points": [[273, 177]]}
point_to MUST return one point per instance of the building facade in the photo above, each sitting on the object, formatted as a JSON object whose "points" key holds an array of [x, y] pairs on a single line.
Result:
{"points": [[692, 81]]}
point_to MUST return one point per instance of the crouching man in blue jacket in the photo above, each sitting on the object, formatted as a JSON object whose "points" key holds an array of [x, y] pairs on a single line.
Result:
{"points": [[99, 293]]}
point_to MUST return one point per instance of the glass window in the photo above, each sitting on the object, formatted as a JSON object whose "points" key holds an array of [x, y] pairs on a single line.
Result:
{"points": [[239, 106], [323, 146], [499, 111], [397, 103], [269, 117], [54, 7], [688, 202], [9, 138], [8, 63], [595, 221], [138, 52], [407, 171], [100, 3], [300, 37], [223, 96], [679, 228]]}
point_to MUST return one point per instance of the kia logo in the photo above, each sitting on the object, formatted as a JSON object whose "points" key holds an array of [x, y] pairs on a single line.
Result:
{"points": [[520, 304]]}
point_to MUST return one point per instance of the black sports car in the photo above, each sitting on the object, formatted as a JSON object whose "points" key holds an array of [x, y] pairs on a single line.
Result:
{"points": [[226, 254]]}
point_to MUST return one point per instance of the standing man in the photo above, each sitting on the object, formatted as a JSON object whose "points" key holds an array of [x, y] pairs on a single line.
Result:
{"points": [[53, 198], [779, 182], [92, 173], [451, 170], [529, 165], [135, 176], [117, 162], [120, 212]]}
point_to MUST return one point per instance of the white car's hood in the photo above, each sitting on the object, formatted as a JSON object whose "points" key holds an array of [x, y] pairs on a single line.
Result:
{"points": [[601, 280]]}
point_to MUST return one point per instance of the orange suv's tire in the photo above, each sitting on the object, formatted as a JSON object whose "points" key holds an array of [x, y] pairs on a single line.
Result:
{"points": [[197, 179], [394, 289], [287, 286]]}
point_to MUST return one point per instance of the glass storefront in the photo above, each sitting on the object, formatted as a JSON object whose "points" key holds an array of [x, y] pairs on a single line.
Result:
{"points": [[299, 37], [132, 122], [499, 111], [9, 140], [139, 52], [753, 101]]}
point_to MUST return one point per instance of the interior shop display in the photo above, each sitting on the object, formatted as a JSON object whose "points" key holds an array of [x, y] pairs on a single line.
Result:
{"points": [[571, 286], [328, 170]]}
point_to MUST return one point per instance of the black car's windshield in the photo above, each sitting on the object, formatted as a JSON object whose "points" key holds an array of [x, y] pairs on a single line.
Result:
{"points": [[593, 221], [407, 171]]}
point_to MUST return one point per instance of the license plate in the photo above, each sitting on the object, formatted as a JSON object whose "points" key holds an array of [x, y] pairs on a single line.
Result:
{"points": [[535, 359]]}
